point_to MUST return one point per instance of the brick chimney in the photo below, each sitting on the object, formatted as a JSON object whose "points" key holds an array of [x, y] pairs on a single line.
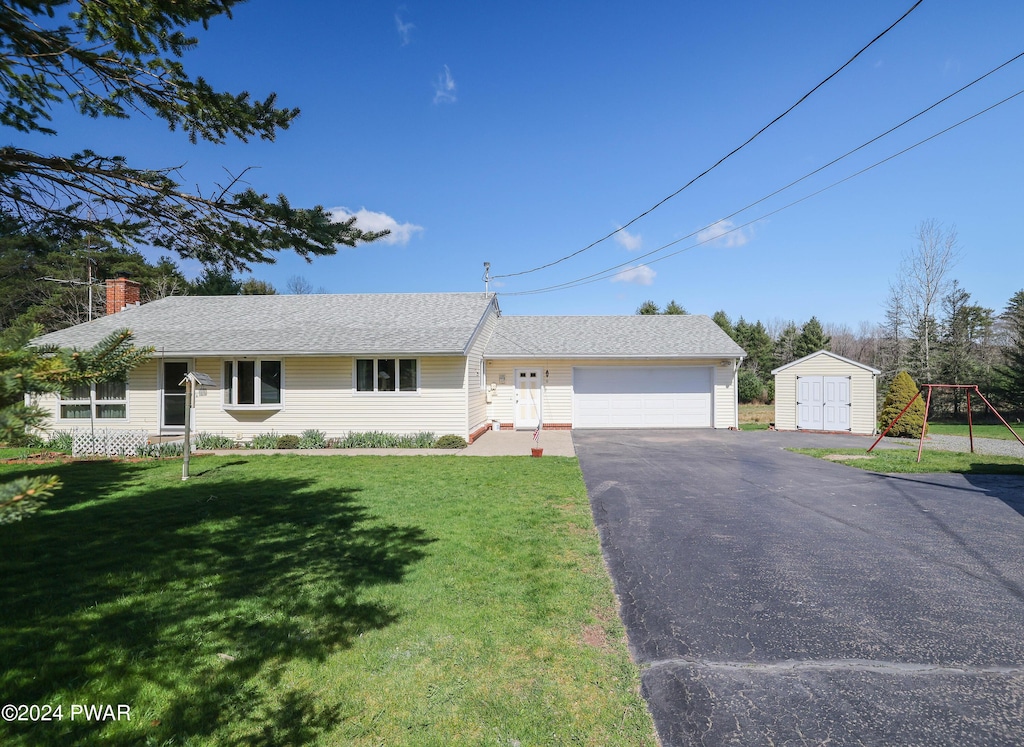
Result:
{"points": [[122, 293]]}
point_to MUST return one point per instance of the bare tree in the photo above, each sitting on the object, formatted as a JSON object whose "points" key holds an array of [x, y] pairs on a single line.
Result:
{"points": [[297, 285], [924, 280]]}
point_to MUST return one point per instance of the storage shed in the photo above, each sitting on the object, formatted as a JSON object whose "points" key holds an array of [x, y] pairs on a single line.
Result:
{"points": [[826, 392]]}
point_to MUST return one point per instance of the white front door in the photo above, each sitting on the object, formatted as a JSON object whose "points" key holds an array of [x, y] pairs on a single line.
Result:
{"points": [[527, 398], [836, 404], [810, 402]]}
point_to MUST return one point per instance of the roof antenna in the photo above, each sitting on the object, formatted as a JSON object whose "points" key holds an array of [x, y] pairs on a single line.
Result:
{"points": [[487, 277]]}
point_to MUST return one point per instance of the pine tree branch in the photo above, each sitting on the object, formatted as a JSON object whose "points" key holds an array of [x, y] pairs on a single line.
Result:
{"points": [[24, 496]]}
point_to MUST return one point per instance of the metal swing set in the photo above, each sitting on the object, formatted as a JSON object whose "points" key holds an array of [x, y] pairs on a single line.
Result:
{"points": [[970, 421]]}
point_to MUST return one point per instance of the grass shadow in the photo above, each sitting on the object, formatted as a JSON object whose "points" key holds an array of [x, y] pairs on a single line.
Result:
{"points": [[187, 600]]}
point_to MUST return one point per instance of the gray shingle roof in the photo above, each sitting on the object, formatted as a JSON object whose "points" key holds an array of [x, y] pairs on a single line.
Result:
{"points": [[685, 336], [399, 323]]}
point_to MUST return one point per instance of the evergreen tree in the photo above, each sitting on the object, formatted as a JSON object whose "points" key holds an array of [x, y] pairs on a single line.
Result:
{"points": [[45, 277], [893, 345], [785, 345], [754, 339], [901, 392], [27, 370], [215, 281], [722, 320], [811, 339], [254, 287], [1010, 374], [674, 309], [116, 59], [963, 333], [648, 308]]}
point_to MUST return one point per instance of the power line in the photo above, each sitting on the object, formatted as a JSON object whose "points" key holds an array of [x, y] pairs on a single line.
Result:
{"points": [[724, 158], [611, 271]]}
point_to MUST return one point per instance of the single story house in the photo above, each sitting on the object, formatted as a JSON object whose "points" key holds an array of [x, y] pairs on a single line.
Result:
{"points": [[400, 363], [826, 392]]}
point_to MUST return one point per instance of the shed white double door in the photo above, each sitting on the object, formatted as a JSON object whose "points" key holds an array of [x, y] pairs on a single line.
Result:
{"points": [[823, 403]]}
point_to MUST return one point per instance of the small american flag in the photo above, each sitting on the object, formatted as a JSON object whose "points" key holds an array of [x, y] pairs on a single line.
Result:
{"points": [[536, 434]]}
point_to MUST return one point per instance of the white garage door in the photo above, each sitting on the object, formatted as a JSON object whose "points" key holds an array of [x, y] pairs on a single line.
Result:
{"points": [[642, 397]]}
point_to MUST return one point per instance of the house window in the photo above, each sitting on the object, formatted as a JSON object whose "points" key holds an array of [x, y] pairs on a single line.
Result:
{"points": [[253, 383], [106, 400], [387, 375]]}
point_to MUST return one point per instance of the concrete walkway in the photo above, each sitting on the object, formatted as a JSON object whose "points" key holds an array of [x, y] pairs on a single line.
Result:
{"points": [[519, 443]]}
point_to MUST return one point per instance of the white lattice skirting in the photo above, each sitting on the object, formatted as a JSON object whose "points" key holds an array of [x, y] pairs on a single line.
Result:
{"points": [[107, 442]]}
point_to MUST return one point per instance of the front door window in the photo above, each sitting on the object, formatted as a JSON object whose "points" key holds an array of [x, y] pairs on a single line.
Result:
{"points": [[174, 394], [528, 394]]}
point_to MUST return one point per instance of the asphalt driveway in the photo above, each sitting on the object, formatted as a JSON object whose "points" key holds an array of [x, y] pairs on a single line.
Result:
{"points": [[772, 598]]}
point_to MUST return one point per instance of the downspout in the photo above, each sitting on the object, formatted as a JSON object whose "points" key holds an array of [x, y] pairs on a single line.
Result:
{"points": [[736, 393]]}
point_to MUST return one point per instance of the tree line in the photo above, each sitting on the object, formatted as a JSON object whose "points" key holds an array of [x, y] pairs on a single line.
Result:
{"points": [[46, 277], [932, 329]]}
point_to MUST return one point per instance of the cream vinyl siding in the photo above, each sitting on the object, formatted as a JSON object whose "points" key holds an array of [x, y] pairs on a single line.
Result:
{"points": [[723, 401], [556, 393], [142, 405], [862, 392], [476, 397], [320, 393], [316, 392]]}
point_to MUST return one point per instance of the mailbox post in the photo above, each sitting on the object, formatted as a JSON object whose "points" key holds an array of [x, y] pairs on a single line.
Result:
{"points": [[192, 380]]}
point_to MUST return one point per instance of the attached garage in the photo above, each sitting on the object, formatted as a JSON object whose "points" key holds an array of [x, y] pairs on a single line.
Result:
{"points": [[642, 396], [826, 392], [657, 371]]}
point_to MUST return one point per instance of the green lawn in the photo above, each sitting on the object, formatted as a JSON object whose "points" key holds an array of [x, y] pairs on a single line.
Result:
{"points": [[905, 460], [277, 600]]}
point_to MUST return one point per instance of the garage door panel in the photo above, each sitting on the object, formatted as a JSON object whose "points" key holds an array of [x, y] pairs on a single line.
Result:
{"points": [[642, 397]]}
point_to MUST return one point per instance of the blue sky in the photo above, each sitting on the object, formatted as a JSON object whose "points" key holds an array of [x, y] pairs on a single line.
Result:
{"points": [[520, 133]]}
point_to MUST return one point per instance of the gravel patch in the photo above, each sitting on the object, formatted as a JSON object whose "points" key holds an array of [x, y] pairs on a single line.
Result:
{"points": [[990, 446]]}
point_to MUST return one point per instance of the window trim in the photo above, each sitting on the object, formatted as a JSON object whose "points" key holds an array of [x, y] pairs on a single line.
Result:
{"points": [[93, 403], [375, 392], [230, 388]]}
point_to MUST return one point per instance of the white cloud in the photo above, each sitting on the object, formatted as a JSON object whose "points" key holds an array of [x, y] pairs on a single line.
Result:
{"points": [[725, 233], [639, 275], [404, 29], [631, 241], [368, 220], [444, 87]]}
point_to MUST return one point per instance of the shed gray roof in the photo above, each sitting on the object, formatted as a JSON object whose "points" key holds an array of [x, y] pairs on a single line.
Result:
{"points": [[669, 336], [365, 323], [828, 354]]}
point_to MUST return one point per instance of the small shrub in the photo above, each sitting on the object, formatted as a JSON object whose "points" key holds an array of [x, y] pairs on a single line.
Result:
{"points": [[422, 440], [451, 441], [901, 391], [264, 441], [60, 441], [381, 440], [166, 449], [288, 441], [210, 441], [313, 439], [749, 387]]}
